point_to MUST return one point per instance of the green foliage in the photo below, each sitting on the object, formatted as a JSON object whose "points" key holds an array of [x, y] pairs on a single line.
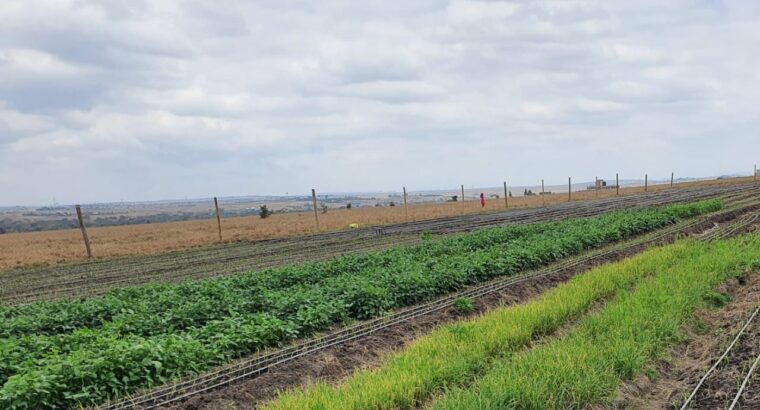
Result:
{"points": [[716, 299], [464, 305], [78, 352]]}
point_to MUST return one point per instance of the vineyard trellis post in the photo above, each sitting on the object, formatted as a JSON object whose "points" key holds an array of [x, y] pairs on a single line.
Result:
{"points": [[314, 205], [84, 231], [218, 219], [406, 208], [506, 197], [617, 184]]}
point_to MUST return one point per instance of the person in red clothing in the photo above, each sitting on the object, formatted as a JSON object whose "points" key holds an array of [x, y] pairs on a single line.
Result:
{"points": [[482, 200]]}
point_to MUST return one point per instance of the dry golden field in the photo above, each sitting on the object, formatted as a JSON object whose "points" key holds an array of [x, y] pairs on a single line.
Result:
{"points": [[54, 247]]}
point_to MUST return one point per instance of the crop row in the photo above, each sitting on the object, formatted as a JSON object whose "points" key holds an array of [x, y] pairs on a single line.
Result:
{"points": [[484, 363], [585, 368], [66, 353]]}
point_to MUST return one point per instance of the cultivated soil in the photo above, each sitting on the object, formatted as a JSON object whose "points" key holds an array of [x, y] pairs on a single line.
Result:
{"points": [[96, 277]]}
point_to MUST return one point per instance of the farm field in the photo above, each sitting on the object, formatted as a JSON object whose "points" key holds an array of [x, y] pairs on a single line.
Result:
{"points": [[56, 247], [569, 348], [83, 279], [77, 351]]}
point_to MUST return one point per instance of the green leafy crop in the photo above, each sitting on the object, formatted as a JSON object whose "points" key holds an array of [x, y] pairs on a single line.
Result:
{"points": [[79, 352]]}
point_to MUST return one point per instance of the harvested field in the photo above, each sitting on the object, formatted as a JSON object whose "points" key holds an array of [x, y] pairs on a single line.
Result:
{"points": [[98, 276], [55, 247]]}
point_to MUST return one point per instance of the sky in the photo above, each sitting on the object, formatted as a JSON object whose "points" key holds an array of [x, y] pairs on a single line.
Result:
{"points": [[144, 100]]}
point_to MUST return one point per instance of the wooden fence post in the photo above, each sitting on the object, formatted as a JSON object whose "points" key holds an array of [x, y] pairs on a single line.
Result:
{"points": [[406, 209], [506, 196], [672, 174], [543, 196], [646, 182], [617, 184], [314, 204], [218, 219], [84, 231], [569, 189], [754, 175], [463, 196]]}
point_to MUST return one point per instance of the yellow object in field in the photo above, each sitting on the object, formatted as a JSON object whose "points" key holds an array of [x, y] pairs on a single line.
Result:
{"points": [[353, 226]]}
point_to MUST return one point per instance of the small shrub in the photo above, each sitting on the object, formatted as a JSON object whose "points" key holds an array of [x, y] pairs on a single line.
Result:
{"points": [[426, 236], [464, 305], [264, 212]]}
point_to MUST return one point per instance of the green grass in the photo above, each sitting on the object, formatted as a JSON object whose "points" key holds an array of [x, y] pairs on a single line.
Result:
{"points": [[586, 367], [483, 363]]}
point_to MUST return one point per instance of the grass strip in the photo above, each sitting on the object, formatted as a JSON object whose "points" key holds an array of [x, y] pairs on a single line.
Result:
{"points": [[585, 368]]}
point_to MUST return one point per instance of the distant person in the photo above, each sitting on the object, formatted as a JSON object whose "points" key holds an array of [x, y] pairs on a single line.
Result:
{"points": [[482, 200]]}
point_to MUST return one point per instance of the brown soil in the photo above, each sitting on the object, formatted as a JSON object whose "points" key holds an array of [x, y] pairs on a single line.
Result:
{"points": [[340, 361], [708, 335], [56, 247]]}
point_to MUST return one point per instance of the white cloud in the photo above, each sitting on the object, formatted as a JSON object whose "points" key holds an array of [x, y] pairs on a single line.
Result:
{"points": [[145, 99]]}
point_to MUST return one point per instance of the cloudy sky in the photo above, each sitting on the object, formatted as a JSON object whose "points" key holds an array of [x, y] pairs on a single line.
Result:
{"points": [[138, 100]]}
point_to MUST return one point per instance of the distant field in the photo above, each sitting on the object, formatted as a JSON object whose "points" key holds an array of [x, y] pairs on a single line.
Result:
{"points": [[53, 247]]}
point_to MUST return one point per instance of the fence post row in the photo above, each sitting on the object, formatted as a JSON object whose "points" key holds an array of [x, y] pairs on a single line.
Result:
{"points": [[218, 219], [506, 197], [314, 204], [84, 231]]}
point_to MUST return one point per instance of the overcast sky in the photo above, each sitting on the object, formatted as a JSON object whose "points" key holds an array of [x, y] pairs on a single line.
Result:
{"points": [[138, 100]]}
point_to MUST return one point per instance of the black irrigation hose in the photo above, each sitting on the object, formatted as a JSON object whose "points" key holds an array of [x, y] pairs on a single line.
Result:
{"points": [[717, 362], [259, 364]]}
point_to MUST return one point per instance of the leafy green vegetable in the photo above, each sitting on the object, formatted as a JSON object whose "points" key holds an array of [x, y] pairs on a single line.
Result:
{"points": [[77, 352]]}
